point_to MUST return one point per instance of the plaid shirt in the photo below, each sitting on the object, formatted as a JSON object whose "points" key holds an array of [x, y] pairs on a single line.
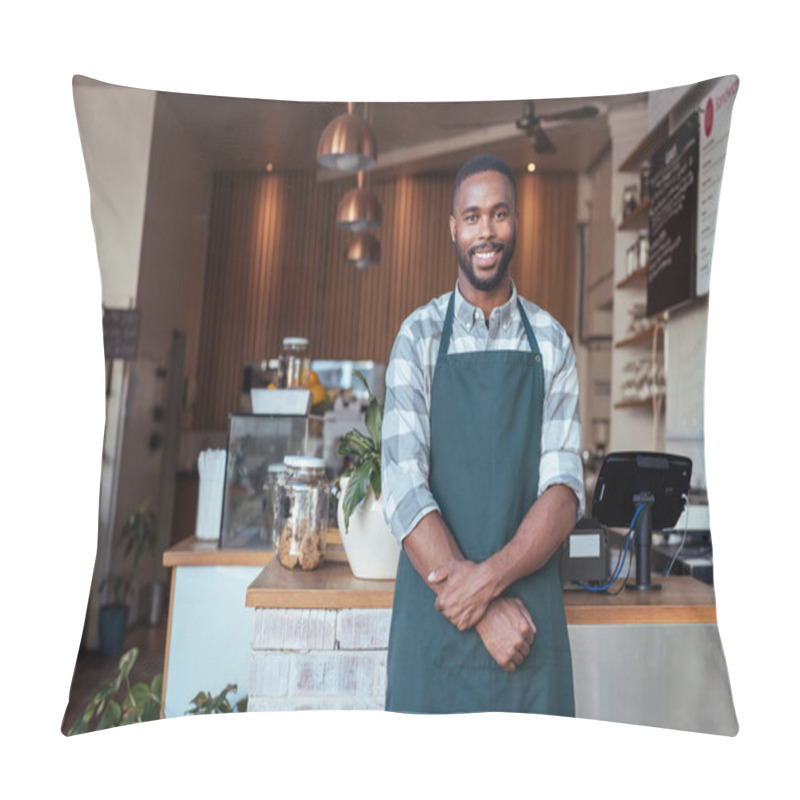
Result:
{"points": [[409, 378]]}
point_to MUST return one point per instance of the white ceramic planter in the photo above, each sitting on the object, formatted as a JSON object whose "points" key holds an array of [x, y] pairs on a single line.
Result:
{"points": [[369, 545]]}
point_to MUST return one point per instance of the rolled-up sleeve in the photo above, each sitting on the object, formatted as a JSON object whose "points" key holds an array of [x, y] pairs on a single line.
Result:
{"points": [[406, 438], [560, 461]]}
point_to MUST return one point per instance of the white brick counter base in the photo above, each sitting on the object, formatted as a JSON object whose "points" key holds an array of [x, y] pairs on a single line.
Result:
{"points": [[306, 659], [320, 642]]}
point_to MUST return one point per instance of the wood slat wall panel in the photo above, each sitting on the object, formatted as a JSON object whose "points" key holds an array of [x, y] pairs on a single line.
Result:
{"points": [[276, 267]]}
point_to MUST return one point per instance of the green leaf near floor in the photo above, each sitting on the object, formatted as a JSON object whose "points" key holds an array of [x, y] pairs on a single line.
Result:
{"points": [[120, 703], [206, 703]]}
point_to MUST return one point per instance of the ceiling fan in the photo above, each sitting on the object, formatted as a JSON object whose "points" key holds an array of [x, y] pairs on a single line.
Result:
{"points": [[531, 124]]}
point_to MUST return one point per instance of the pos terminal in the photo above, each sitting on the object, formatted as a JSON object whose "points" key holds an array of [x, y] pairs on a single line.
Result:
{"points": [[644, 491]]}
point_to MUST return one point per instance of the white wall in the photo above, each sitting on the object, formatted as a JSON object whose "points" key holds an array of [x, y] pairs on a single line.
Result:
{"points": [[169, 298], [149, 188], [594, 358], [115, 125], [685, 364]]}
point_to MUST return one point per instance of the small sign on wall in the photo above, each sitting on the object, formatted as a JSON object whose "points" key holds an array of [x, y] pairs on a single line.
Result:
{"points": [[121, 333]]}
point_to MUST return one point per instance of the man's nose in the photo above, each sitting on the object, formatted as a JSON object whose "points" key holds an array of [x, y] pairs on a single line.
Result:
{"points": [[486, 226]]}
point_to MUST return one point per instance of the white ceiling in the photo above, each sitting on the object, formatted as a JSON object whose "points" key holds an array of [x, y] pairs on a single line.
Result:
{"points": [[238, 133]]}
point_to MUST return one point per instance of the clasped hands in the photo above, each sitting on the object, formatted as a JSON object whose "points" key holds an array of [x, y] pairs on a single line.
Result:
{"points": [[465, 597]]}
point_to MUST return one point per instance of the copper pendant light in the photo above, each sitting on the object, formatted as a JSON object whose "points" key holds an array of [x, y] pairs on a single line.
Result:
{"points": [[359, 210], [347, 143], [364, 251]]}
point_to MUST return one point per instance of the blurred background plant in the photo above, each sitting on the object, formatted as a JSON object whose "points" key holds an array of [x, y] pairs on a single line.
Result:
{"points": [[119, 703], [206, 703]]}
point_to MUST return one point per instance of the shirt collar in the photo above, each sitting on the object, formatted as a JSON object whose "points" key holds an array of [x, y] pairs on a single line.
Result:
{"points": [[468, 314]]}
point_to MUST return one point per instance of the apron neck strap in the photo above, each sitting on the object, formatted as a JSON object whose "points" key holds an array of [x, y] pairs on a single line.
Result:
{"points": [[444, 344], [528, 329], [447, 330]]}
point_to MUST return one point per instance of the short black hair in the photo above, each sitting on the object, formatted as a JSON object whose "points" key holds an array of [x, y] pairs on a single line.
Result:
{"points": [[485, 162]]}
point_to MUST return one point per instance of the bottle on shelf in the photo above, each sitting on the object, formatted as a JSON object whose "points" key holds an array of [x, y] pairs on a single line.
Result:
{"points": [[629, 201], [295, 365]]}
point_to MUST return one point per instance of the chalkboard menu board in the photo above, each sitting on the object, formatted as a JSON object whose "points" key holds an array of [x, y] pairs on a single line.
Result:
{"points": [[121, 332], [672, 261]]}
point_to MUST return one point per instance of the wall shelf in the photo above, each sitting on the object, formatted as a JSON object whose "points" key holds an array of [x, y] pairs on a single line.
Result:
{"points": [[638, 219], [646, 403], [637, 278], [638, 338]]}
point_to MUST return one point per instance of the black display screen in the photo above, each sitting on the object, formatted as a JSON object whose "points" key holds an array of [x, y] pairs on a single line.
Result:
{"points": [[626, 476]]}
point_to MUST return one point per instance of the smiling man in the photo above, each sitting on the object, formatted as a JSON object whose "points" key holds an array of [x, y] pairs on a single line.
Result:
{"points": [[482, 479]]}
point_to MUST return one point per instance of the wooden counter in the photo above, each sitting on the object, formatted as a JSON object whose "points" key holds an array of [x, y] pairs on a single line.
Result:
{"points": [[330, 586], [681, 599], [652, 657], [194, 552]]}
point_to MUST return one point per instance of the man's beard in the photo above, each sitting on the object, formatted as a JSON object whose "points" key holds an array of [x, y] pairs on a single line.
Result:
{"points": [[485, 284]]}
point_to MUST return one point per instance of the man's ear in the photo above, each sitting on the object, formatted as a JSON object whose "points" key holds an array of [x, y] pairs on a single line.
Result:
{"points": [[452, 228]]}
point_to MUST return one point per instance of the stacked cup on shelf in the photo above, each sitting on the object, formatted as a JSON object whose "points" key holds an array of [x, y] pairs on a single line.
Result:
{"points": [[211, 468]]}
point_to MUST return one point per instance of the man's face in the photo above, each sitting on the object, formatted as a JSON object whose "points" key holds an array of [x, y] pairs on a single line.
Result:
{"points": [[483, 227]]}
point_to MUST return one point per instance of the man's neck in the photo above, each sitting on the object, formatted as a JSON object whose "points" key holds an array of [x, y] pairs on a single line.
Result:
{"points": [[485, 301]]}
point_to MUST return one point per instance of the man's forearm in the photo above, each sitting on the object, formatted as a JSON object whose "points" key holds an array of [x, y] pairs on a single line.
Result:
{"points": [[505, 628], [430, 545], [464, 589], [548, 522]]}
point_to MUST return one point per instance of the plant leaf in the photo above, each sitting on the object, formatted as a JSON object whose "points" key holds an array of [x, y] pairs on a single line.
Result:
{"points": [[363, 380], [138, 695], [131, 715], [152, 710], [79, 726], [111, 716], [356, 490], [354, 443], [374, 421], [127, 661]]}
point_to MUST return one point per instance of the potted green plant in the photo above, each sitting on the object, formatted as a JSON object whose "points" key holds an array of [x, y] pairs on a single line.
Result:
{"points": [[119, 703], [207, 703], [139, 536], [113, 615], [371, 549]]}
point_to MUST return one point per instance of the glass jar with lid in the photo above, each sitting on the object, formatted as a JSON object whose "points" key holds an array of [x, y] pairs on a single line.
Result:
{"points": [[301, 512], [270, 494], [294, 363]]}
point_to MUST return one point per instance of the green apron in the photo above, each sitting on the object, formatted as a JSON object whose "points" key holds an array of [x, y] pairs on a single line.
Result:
{"points": [[486, 431]]}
